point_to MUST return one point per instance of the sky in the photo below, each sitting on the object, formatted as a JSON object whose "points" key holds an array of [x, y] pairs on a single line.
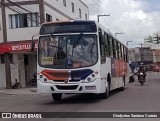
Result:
{"points": [[136, 19]]}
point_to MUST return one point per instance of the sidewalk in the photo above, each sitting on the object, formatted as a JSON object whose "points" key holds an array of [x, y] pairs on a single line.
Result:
{"points": [[21, 91]]}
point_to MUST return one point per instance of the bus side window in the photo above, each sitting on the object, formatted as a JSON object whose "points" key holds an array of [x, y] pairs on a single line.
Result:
{"points": [[117, 49], [113, 48], [102, 47], [107, 45], [126, 55], [121, 52]]}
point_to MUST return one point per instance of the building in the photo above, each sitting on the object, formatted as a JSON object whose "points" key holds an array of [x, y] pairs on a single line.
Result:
{"points": [[140, 54], [154, 39], [23, 19], [154, 43]]}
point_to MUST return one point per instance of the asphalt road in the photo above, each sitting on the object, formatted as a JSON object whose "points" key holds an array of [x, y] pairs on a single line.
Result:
{"points": [[134, 98]]}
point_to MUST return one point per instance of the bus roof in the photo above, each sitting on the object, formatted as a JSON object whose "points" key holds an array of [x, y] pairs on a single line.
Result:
{"points": [[89, 21], [86, 21]]}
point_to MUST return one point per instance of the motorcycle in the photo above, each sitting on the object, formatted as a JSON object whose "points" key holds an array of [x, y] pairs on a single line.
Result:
{"points": [[141, 78]]}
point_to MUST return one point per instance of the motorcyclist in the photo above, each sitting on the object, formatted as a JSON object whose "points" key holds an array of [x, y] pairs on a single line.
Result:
{"points": [[141, 70]]}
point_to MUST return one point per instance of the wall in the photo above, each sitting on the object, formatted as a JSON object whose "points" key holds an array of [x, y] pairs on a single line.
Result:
{"points": [[68, 9], [21, 33], [2, 76], [32, 65], [14, 74], [1, 32], [28, 32], [21, 69]]}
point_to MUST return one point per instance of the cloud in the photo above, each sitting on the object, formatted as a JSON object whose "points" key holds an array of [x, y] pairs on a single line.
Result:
{"points": [[136, 23], [135, 17]]}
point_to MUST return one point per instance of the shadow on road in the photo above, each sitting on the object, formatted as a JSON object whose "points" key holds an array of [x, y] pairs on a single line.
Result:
{"points": [[82, 98]]}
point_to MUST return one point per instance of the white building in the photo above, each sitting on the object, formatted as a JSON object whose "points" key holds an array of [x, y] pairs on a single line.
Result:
{"points": [[152, 40], [23, 19]]}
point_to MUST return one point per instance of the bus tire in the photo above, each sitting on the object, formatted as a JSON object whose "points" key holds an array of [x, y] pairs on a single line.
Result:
{"points": [[123, 85], [56, 97], [105, 95]]}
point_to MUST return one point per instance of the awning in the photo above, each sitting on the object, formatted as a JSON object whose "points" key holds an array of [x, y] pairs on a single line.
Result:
{"points": [[17, 46]]}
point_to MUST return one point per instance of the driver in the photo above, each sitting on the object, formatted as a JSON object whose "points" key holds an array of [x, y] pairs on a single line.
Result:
{"points": [[141, 69]]}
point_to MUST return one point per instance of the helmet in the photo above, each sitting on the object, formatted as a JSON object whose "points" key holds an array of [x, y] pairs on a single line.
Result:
{"points": [[141, 64]]}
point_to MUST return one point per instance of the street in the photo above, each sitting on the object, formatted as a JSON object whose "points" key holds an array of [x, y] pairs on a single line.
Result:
{"points": [[134, 98]]}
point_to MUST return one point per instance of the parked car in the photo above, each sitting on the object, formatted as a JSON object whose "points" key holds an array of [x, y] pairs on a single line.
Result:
{"points": [[156, 69], [131, 76]]}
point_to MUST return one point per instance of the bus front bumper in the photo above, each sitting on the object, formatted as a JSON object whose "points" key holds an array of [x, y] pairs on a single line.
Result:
{"points": [[67, 88]]}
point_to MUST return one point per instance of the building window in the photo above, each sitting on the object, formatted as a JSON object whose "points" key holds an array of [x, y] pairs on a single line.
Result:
{"points": [[73, 7], [3, 60], [23, 20], [64, 3], [48, 17], [86, 17], [80, 13]]}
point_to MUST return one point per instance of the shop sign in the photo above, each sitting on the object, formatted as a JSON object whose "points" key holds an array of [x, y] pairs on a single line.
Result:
{"points": [[16, 47]]}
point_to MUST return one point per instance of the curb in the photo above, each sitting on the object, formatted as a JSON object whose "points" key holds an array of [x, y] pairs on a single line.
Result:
{"points": [[18, 92]]}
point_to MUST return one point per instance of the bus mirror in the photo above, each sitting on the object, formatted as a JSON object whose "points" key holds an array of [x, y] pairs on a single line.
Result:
{"points": [[32, 46], [33, 42]]}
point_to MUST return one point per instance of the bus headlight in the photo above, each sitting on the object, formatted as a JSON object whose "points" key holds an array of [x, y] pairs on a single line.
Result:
{"points": [[93, 75], [41, 76], [45, 80], [89, 79]]}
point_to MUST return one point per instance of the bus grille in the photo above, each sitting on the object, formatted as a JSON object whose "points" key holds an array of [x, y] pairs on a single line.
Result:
{"points": [[58, 80], [68, 81], [74, 80], [71, 87]]}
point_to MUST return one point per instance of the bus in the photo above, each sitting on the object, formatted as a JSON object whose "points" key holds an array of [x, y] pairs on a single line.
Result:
{"points": [[76, 57]]}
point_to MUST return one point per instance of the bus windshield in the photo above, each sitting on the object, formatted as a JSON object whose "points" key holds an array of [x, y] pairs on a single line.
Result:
{"points": [[67, 51]]}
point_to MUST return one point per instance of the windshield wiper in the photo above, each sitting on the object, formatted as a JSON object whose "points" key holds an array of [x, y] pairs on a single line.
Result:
{"points": [[77, 41]]}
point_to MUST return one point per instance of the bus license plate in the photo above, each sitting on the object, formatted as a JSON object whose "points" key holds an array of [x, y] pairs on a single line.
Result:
{"points": [[90, 87]]}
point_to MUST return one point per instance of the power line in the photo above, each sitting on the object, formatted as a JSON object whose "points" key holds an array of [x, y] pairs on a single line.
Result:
{"points": [[13, 3], [116, 24], [19, 6], [19, 12], [111, 21], [107, 12], [99, 11]]}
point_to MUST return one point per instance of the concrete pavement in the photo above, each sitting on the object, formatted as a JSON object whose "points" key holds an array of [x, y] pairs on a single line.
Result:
{"points": [[20, 91]]}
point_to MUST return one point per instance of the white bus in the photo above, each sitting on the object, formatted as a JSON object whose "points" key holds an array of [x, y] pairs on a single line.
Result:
{"points": [[80, 57]]}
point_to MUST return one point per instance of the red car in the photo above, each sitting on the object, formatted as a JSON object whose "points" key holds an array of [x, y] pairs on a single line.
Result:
{"points": [[156, 69]]}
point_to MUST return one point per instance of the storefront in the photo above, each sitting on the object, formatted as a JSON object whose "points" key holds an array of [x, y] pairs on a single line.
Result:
{"points": [[23, 62]]}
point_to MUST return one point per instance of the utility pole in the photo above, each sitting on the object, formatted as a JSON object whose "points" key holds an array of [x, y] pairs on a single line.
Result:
{"points": [[41, 11], [6, 55], [101, 16], [128, 42], [157, 39], [118, 33], [141, 53]]}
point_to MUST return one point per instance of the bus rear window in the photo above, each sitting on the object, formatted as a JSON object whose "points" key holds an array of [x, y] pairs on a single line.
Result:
{"points": [[68, 27]]}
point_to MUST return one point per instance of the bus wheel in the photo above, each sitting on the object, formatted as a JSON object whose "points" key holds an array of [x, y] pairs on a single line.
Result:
{"points": [[56, 97], [105, 95], [123, 85]]}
